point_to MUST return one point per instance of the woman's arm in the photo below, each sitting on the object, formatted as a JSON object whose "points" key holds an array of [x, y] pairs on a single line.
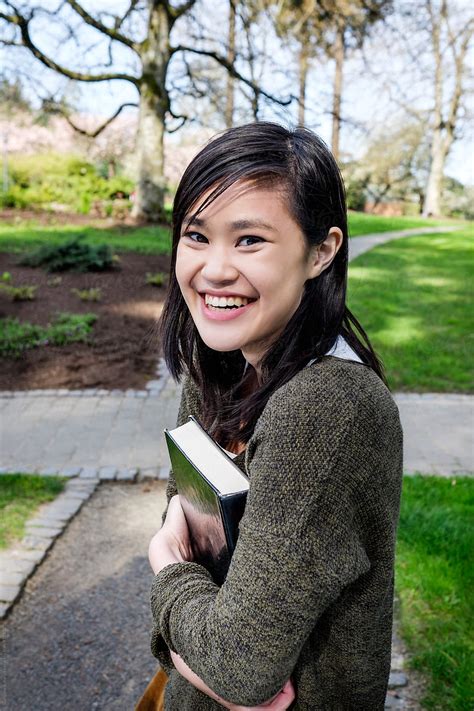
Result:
{"points": [[172, 545], [280, 702]]}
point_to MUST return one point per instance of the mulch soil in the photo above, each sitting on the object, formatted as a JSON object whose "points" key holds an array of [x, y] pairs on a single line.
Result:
{"points": [[123, 348]]}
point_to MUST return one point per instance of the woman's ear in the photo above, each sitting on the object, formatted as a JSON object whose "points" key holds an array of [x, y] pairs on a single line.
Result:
{"points": [[324, 253]]}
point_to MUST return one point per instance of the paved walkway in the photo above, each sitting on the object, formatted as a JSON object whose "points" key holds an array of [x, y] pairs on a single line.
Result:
{"points": [[49, 432], [111, 435], [359, 245]]}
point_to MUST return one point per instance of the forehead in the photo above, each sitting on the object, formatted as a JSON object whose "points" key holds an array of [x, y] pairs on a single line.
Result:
{"points": [[264, 203]]}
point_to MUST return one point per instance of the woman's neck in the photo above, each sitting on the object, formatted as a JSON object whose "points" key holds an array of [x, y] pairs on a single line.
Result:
{"points": [[251, 381]]}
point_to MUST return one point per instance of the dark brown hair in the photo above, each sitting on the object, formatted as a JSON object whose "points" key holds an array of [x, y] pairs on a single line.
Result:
{"points": [[299, 162]]}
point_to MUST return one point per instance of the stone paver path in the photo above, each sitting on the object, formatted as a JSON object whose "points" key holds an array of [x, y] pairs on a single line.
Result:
{"points": [[46, 432], [106, 435], [438, 433]]}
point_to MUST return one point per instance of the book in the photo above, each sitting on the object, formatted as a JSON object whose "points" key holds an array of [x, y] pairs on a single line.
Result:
{"points": [[212, 490]]}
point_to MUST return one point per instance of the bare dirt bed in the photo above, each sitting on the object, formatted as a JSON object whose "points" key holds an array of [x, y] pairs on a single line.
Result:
{"points": [[44, 217], [123, 348]]}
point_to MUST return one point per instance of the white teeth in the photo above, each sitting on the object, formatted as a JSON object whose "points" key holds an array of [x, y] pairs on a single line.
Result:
{"points": [[224, 301]]}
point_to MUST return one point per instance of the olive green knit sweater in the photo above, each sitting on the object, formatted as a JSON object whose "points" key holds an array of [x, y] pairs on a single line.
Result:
{"points": [[310, 588]]}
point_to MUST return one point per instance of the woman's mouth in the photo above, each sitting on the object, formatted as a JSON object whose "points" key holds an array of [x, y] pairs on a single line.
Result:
{"points": [[223, 308]]}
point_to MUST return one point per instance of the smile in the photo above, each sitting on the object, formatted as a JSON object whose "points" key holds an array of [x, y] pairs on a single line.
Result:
{"points": [[224, 308], [225, 302]]}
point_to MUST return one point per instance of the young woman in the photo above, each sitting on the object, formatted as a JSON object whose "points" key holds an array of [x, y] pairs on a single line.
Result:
{"points": [[281, 373]]}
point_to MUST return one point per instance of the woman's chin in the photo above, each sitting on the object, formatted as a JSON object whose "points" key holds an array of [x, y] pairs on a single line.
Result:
{"points": [[223, 345]]}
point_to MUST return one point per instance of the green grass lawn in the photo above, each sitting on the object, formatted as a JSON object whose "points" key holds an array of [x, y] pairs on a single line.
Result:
{"points": [[414, 298], [20, 496], [361, 223], [435, 582], [22, 235], [27, 235]]}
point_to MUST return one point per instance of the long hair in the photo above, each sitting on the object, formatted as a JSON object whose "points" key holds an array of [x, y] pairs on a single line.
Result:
{"points": [[299, 162]]}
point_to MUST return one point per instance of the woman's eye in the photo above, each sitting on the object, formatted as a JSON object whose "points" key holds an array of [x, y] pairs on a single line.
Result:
{"points": [[195, 236], [250, 240]]}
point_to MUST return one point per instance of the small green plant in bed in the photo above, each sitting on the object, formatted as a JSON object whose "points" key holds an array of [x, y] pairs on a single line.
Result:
{"points": [[434, 580], [72, 255], [92, 294], [157, 279], [54, 281], [19, 293], [20, 495], [17, 336]]}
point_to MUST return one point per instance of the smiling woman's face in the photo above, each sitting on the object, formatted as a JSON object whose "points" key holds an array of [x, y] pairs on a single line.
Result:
{"points": [[241, 265]]}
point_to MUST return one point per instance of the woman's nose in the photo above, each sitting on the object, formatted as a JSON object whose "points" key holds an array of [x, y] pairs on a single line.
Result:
{"points": [[219, 267]]}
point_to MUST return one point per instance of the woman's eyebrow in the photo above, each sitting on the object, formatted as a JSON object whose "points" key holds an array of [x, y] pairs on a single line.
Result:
{"points": [[243, 224], [249, 224]]}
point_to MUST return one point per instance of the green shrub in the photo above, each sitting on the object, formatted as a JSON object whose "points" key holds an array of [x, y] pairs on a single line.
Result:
{"points": [[19, 293], [14, 198], [41, 179], [88, 294], [6, 277], [85, 204], [157, 279], [16, 336], [72, 255], [355, 195]]}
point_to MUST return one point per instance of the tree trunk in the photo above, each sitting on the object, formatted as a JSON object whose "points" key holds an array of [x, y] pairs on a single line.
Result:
{"points": [[303, 75], [154, 103], [229, 102], [150, 193], [339, 54], [444, 128], [432, 206]]}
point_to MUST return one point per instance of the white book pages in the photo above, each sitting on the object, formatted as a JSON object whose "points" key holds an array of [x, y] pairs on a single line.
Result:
{"points": [[209, 458]]}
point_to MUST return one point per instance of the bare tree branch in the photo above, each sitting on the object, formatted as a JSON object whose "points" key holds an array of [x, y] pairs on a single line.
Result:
{"points": [[93, 22], [120, 20], [22, 23], [232, 71], [183, 118], [57, 108], [176, 12]]}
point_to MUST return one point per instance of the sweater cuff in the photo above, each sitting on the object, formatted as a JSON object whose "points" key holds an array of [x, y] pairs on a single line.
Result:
{"points": [[160, 650], [177, 583]]}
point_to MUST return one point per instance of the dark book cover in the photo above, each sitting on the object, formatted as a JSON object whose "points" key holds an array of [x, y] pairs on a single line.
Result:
{"points": [[212, 492]]}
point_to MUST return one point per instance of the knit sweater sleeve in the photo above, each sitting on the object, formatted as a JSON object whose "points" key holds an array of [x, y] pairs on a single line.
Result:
{"points": [[298, 548]]}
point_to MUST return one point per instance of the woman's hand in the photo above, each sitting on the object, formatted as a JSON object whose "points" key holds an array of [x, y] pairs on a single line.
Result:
{"points": [[280, 702], [172, 543]]}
